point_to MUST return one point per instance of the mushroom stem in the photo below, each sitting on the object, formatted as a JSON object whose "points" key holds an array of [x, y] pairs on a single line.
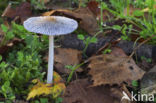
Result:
{"points": [[51, 59]]}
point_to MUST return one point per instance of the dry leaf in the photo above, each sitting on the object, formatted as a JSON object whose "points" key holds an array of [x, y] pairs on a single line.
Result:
{"points": [[116, 51], [94, 7], [113, 69], [9, 12], [87, 19], [79, 92], [57, 89], [23, 11], [65, 57]]}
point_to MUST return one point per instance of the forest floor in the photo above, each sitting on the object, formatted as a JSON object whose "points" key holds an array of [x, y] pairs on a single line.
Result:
{"points": [[110, 58]]}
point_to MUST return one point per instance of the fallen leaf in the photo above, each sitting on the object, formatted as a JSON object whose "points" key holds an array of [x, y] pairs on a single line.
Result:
{"points": [[94, 7], [56, 78], [65, 57], [40, 89], [113, 69], [9, 12], [79, 91], [116, 51], [86, 18], [23, 11], [56, 89]]}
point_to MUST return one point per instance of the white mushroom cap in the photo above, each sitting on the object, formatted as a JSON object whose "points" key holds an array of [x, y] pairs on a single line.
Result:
{"points": [[51, 25]]}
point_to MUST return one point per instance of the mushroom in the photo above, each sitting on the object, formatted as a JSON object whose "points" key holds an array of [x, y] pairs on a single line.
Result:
{"points": [[52, 26]]}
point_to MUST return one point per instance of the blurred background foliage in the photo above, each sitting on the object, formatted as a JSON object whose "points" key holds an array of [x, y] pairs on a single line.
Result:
{"points": [[38, 4]]}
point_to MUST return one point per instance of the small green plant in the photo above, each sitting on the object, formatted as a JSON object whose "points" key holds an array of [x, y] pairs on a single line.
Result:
{"points": [[41, 100], [126, 31], [44, 100], [118, 7], [102, 6], [135, 86], [38, 4], [7, 91], [81, 3], [148, 60], [21, 64], [107, 51], [87, 41], [8, 34], [146, 24], [73, 69], [135, 83], [58, 100]]}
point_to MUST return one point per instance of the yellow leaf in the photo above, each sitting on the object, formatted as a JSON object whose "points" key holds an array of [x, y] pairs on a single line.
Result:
{"points": [[40, 89], [58, 90], [57, 78], [35, 81]]}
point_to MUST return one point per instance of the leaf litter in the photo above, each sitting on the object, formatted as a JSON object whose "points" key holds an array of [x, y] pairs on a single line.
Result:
{"points": [[22, 11], [106, 70], [79, 91], [113, 69], [66, 57]]}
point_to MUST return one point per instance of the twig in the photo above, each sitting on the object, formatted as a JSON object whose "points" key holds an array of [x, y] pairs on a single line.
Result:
{"points": [[109, 43], [145, 41]]}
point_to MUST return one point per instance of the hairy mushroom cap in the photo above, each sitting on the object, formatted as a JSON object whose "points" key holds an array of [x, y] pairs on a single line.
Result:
{"points": [[51, 25]]}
